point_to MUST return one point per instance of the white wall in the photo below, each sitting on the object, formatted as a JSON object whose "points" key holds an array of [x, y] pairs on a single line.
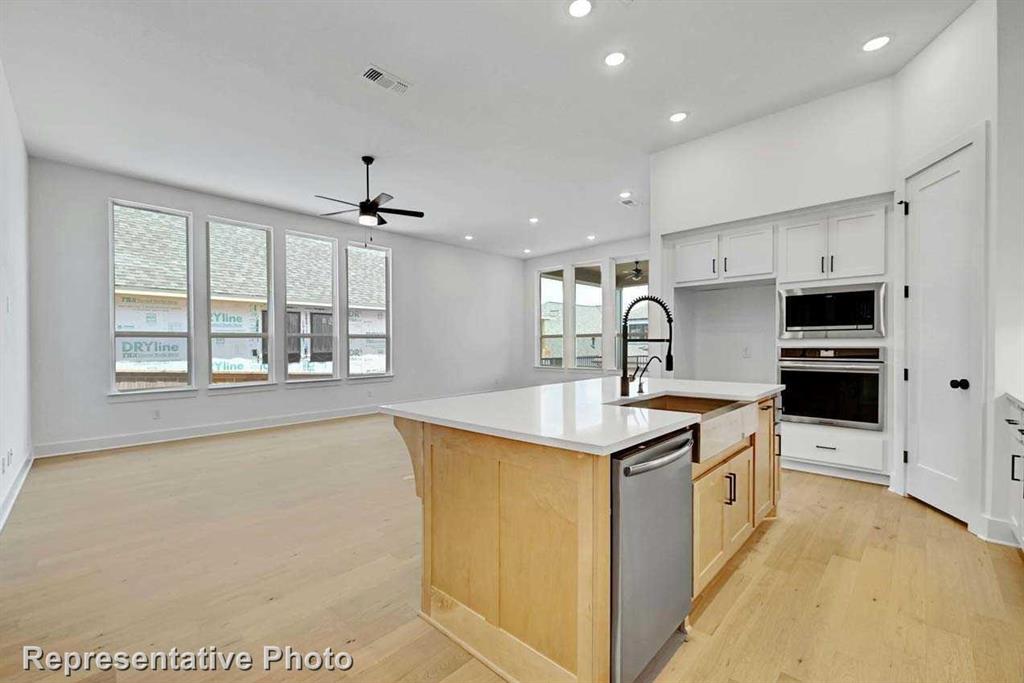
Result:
{"points": [[15, 439], [635, 248], [726, 334], [457, 320], [831, 149]]}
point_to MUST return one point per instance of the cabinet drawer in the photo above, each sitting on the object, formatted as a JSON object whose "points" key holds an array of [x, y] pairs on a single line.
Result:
{"points": [[833, 446]]}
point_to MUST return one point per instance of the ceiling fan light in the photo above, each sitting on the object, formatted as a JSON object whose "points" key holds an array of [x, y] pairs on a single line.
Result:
{"points": [[367, 219]]}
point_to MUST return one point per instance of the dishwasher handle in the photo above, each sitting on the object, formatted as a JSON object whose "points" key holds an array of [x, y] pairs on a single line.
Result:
{"points": [[658, 463]]}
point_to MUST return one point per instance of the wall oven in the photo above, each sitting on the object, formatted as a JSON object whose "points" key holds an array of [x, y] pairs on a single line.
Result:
{"points": [[832, 312], [843, 387]]}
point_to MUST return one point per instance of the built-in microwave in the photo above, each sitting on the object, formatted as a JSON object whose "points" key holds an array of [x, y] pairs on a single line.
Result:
{"points": [[832, 312]]}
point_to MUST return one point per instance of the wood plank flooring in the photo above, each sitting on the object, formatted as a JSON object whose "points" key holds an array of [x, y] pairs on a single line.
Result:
{"points": [[310, 536]]}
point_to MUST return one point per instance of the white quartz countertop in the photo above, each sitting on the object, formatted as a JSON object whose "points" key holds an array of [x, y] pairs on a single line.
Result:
{"points": [[582, 416]]}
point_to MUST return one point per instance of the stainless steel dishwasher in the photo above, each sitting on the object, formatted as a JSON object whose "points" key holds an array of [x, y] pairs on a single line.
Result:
{"points": [[652, 549]]}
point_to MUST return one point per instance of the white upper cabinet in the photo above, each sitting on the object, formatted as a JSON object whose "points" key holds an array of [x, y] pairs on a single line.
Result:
{"points": [[803, 250], [847, 244], [748, 252], [856, 243], [697, 260]]}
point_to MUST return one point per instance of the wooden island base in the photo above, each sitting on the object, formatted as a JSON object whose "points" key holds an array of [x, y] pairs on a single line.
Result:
{"points": [[516, 551]]}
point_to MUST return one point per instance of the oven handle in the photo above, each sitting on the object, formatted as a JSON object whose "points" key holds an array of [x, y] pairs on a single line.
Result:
{"points": [[828, 366]]}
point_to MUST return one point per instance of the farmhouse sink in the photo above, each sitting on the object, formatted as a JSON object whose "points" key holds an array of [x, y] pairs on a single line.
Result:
{"points": [[723, 424]]}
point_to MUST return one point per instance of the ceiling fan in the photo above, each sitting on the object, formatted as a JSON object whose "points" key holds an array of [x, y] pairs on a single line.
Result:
{"points": [[637, 273], [370, 209]]}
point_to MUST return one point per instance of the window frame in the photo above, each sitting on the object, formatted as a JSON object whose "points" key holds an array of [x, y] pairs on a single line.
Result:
{"points": [[267, 336], [335, 312], [188, 336], [618, 316], [388, 306], [600, 335], [539, 336]]}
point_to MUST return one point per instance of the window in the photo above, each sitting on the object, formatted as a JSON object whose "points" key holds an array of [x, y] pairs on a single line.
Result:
{"points": [[588, 316], [239, 276], [551, 325], [310, 306], [631, 280], [369, 310], [151, 290]]}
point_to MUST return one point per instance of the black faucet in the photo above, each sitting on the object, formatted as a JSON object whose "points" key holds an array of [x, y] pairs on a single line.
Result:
{"points": [[624, 380], [640, 371]]}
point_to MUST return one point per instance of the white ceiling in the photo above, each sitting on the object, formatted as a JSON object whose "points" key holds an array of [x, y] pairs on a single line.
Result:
{"points": [[512, 112]]}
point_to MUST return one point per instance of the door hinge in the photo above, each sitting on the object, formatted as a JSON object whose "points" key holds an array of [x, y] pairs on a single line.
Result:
{"points": [[906, 374], [906, 291], [906, 206], [906, 457]]}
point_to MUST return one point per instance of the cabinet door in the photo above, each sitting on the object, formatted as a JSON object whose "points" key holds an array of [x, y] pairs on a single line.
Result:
{"points": [[697, 260], [856, 243], [748, 252], [802, 251], [709, 495], [763, 461], [739, 521]]}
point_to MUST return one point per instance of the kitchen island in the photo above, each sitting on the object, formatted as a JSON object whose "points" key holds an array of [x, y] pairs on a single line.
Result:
{"points": [[517, 507]]}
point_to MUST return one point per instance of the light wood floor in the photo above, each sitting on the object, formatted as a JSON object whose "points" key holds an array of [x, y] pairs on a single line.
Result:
{"points": [[309, 536]]}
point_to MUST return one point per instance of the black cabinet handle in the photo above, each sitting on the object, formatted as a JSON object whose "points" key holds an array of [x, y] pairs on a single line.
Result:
{"points": [[826, 448], [778, 445], [1013, 467], [767, 407], [1012, 422], [959, 384], [832, 263], [731, 478], [823, 264], [725, 263], [713, 266]]}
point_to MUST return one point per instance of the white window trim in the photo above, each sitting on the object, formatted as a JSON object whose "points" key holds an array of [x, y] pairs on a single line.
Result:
{"points": [[617, 324], [389, 327], [272, 370], [610, 323], [335, 308], [189, 336]]}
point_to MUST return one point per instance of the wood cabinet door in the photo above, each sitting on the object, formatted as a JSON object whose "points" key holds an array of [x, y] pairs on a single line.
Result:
{"points": [[697, 260], [764, 464], [802, 251], [739, 521], [709, 495], [748, 252], [856, 243]]}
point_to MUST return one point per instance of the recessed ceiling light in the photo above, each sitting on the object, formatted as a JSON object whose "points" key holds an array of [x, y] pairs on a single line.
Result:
{"points": [[876, 44], [625, 195], [526, 251], [591, 237], [580, 8], [468, 237], [615, 59], [534, 220], [677, 117]]}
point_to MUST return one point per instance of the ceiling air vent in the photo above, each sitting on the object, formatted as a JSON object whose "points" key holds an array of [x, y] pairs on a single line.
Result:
{"points": [[628, 202], [386, 79]]}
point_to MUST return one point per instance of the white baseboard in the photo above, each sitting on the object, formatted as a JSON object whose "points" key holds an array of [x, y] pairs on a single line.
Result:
{"points": [[830, 471], [7, 504], [996, 530], [46, 450]]}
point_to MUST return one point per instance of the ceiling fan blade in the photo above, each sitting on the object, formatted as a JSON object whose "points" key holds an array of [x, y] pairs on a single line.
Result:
{"points": [[332, 199], [381, 221], [382, 198], [402, 212], [335, 213]]}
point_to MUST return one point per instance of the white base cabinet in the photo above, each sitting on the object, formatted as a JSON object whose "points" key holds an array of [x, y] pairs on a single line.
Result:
{"points": [[855, 449], [1011, 446]]}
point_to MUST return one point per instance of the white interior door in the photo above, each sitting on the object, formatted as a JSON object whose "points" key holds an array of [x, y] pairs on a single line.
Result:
{"points": [[945, 326], [802, 249]]}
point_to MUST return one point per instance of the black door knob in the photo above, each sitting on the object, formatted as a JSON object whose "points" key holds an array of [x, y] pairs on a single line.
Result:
{"points": [[959, 384]]}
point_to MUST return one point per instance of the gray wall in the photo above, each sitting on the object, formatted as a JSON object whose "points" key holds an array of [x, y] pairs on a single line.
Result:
{"points": [[457, 321]]}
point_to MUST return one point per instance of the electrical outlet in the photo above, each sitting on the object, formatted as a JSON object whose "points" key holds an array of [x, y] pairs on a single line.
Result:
{"points": [[156, 414], [746, 352]]}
